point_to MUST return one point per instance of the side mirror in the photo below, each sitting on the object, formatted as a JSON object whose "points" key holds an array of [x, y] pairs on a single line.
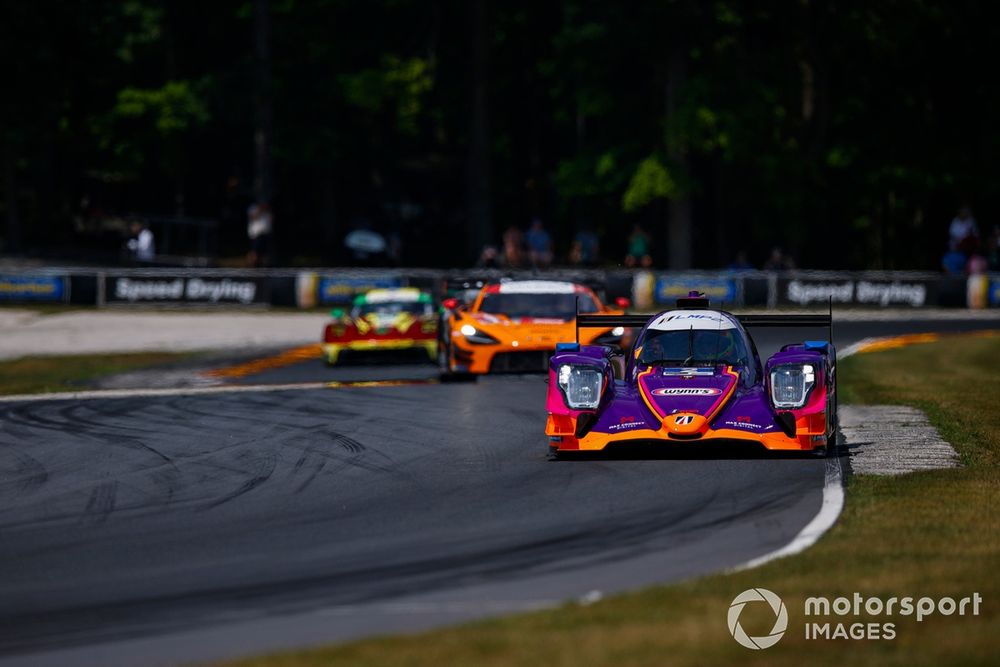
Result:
{"points": [[450, 304], [623, 303]]}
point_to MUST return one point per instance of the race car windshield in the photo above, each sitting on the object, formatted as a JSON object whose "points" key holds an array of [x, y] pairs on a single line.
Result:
{"points": [[556, 306], [690, 347], [391, 309]]}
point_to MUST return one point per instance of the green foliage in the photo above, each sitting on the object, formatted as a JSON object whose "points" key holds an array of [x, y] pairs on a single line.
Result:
{"points": [[650, 181], [145, 22], [172, 109], [779, 114], [397, 83], [589, 176], [144, 121]]}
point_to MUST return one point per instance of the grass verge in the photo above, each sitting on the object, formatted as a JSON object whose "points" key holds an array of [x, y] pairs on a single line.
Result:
{"points": [[36, 375], [925, 534]]}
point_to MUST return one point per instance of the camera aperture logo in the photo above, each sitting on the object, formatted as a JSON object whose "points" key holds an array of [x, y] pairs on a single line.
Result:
{"points": [[858, 617], [780, 618]]}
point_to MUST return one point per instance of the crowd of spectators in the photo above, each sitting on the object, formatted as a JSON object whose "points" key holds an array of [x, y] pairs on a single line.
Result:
{"points": [[968, 252], [534, 248]]}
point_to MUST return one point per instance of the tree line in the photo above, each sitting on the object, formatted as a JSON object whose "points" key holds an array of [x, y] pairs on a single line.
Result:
{"points": [[845, 132]]}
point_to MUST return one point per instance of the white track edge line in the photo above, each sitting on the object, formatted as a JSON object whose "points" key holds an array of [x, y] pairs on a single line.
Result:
{"points": [[833, 497]]}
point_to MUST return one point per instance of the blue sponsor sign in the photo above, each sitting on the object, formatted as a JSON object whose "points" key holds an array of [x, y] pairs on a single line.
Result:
{"points": [[32, 288], [994, 291], [718, 290], [332, 290]]}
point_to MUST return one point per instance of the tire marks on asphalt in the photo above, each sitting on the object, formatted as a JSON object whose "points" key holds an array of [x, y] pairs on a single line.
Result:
{"points": [[165, 456], [101, 502]]}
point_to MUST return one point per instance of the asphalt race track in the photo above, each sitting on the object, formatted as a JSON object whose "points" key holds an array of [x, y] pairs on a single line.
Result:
{"points": [[153, 530]]}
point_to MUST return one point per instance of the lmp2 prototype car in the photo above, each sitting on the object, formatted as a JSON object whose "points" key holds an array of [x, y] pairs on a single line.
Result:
{"points": [[514, 326], [383, 320], [693, 376]]}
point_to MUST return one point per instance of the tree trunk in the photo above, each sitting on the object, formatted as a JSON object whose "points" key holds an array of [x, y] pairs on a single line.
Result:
{"points": [[10, 198], [679, 225], [262, 103], [478, 166]]}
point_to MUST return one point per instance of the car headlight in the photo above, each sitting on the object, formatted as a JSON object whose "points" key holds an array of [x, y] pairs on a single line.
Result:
{"points": [[791, 383], [581, 386], [474, 335]]}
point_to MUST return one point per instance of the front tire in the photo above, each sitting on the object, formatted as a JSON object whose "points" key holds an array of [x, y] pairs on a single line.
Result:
{"points": [[445, 371], [831, 442]]}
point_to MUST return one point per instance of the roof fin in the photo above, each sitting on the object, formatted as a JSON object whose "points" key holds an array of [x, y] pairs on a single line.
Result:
{"points": [[694, 299]]}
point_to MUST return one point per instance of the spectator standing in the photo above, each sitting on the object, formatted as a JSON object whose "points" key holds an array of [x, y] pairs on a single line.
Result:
{"points": [[963, 234], [586, 249], [993, 249], [778, 261], [741, 263], [259, 225], [539, 244], [142, 245], [489, 258], [953, 263], [638, 248], [513, 247], [977, 265]]}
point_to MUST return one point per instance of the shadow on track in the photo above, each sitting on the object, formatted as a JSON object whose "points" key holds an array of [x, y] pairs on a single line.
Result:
{"points": [[659, 451]]}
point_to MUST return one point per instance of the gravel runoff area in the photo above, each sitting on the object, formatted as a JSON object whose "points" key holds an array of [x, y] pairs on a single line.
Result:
{"points": [[24, 332], [893, 440]]}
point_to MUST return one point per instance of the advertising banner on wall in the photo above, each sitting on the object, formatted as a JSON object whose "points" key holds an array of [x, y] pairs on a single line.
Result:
{"points": [[32, 288], [719, 289], [994, 290], [859, 292], [334, 290], [234, 290]]}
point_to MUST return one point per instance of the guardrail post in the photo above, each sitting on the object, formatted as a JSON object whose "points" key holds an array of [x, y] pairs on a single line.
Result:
{"points": [[100, 289]]}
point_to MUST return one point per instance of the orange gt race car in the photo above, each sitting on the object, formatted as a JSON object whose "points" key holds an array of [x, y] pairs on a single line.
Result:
{"points": [[515, 326], [383, 320]]}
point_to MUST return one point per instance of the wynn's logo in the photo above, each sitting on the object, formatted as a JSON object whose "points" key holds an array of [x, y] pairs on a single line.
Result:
{"points": [[684, 391]]}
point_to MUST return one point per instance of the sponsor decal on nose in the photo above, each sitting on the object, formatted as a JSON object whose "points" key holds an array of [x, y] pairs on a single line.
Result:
{"points": [[686, 391]]}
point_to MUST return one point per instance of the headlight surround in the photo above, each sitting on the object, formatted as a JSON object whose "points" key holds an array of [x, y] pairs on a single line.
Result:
{"points": [[581, 386], [474, 335], [791, 384]]}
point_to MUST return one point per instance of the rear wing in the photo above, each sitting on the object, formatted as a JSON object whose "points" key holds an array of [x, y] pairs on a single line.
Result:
{"points": [[781, 320]]}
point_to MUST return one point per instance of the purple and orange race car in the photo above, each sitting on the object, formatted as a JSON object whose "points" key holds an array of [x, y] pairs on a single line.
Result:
{"points": [[693, 375]]}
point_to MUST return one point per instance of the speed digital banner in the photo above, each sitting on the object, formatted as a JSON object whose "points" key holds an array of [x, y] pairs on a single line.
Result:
{"points": [[860, 292], [234, 290]]}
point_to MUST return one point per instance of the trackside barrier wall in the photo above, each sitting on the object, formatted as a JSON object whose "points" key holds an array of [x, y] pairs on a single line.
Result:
{"points": [[34, 288], [311, 288]]}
